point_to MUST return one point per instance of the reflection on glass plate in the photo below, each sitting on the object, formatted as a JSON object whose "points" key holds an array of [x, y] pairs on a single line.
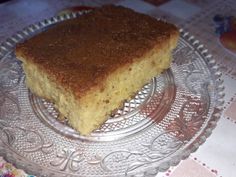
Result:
{"points": [[166, 121]]}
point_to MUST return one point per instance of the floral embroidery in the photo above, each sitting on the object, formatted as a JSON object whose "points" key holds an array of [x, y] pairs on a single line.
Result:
{"points": [[8, 170]]}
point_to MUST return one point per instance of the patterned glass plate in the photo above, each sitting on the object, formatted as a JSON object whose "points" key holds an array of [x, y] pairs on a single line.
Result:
{"points": [[167, 120]]}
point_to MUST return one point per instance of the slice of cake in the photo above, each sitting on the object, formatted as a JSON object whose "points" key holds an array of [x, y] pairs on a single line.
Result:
{"points": [[89, 65]]}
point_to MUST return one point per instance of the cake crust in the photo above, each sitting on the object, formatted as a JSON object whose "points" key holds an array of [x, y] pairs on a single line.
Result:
{"points": [[94, 45]]}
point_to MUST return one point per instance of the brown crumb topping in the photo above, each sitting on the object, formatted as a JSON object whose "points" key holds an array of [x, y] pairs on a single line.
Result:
{"points": [[81, 52]]}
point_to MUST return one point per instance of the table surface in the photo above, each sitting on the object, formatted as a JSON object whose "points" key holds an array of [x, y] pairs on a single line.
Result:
{"points": [[212, 22]]}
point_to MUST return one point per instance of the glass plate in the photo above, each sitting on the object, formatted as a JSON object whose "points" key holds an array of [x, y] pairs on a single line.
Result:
{"points": [[167, 120]]}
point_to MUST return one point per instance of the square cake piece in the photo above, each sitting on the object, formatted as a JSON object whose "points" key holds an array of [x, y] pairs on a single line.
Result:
{"points": [[89, 65]]}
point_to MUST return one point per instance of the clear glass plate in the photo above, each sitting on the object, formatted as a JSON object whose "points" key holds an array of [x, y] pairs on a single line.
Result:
{"points": [[166, 121]]}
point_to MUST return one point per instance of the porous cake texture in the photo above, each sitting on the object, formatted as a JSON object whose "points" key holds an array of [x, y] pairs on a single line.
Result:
{"points": [[89, 65]]}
